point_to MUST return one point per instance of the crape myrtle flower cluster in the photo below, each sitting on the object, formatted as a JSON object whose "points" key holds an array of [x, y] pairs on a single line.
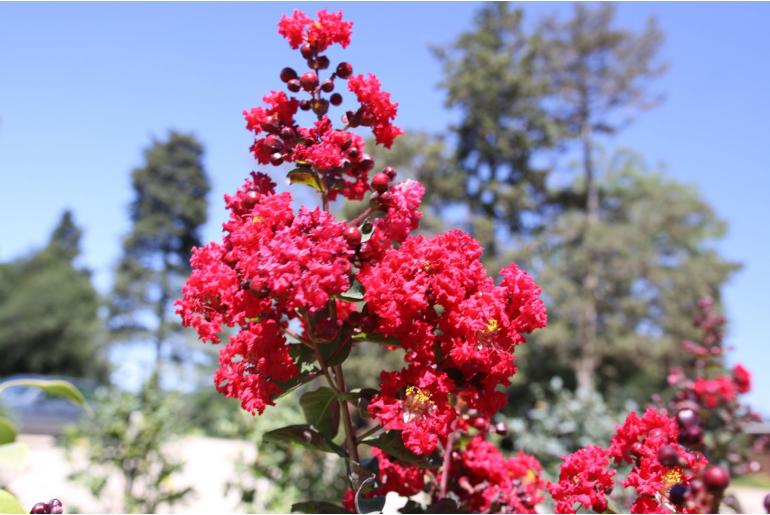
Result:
{"points": [[290, 292], [298, 289], [665, 476], [706, 396]]}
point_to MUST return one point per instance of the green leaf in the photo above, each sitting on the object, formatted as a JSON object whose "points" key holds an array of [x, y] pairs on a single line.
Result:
{"points": [[10, 504], [305, 176], [55, 387], [376, 338], [317, 507], [289, 386], [7, 431], [337, 351], [322, 410], [354, 294], [304, 435], [13, 454], [392, 444]]}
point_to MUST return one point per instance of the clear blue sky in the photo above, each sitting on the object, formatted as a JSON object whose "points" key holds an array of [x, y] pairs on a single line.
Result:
{"points": [[84, 87]]}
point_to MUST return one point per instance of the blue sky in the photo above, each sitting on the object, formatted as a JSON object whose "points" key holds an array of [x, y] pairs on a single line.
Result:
{"points": [[85, 87]]}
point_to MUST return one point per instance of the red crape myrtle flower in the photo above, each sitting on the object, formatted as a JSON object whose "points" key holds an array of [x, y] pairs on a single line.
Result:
{"points": [[585, 479], [640, 441], [328, 29], [742, 378], [415, 400], [298, 289], [485, 481], [713, 392], [394, 476], [377, 111]]}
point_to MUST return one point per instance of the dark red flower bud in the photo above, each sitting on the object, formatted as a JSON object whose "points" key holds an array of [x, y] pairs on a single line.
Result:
{"points": [[335, 99], [368, 323], [344, 70], [352, 235], [385, 198], [40, 507], [304, 105], [307, 51], [668, 456], [320, 106], [501, 428], [274, 142], [293, 85], [692, 435], [271, 124], [322, 62], [276, 159], [380, 182], [288, 74], [390, 172], [287, 134], [678, 494], [353, 153], [686, 417], [696, 485], [327, 86], [716, 479], [367, 163], [309, 81], [327, 329], [767, 503]]}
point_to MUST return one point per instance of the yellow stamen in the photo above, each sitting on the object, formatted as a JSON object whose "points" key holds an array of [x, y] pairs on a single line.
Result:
{"points": [[671, 478], [492, 325], [416, 403]]}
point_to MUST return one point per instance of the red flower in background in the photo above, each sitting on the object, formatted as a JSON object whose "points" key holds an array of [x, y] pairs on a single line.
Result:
{"points": [[742, 378], [715, 391]]}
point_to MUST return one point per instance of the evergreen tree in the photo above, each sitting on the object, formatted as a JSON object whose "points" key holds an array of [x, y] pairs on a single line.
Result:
{"points": [[167, 213], [48, 310], [599, 76], [652, 250], [491, 77]]}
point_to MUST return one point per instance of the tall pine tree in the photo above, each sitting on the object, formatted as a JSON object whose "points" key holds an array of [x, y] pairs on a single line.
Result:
{"points": [[167, 214], [599, 76], [490, 76]]}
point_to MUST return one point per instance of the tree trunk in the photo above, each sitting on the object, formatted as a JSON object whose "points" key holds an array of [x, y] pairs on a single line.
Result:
{"points": [[160, 312], [585, 368]]}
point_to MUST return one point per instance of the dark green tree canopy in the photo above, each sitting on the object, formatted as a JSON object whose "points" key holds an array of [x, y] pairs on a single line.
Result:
{"points": [[48, 310], [491, 79], [653, 252]]}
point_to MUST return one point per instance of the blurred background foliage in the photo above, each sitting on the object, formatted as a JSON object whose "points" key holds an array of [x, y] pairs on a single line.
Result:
{"points": [[534, 168]]}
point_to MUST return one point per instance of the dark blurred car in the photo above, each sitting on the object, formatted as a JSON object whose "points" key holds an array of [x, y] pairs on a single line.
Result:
{"points": [[34, 411]]}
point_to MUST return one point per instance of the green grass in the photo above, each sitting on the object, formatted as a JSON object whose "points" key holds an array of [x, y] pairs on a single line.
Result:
{"points": [[758, 480]]}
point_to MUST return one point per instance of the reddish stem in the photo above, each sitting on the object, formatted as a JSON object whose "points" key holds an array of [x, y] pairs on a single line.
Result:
{"points": [[447, 462]]}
